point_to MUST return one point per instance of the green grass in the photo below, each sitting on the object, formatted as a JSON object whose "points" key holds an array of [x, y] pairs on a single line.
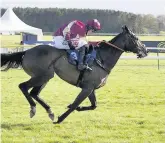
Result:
{"points": [[131, 109], [13, 41]]}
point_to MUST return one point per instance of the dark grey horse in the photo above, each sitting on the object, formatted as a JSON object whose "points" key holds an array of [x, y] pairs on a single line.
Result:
{"points": [[41, 62]]}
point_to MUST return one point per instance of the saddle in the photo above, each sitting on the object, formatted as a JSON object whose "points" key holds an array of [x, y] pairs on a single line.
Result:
{"points": [[89, 59], [72, 56]]}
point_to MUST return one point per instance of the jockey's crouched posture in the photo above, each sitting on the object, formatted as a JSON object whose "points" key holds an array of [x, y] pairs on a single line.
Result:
{"points": [[73, 36]]}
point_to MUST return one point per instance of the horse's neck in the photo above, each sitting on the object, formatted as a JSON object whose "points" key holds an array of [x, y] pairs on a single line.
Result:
{"points": [[111, 55]]}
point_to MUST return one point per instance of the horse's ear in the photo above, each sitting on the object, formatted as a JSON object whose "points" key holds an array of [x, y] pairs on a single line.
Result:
{"points": [[126, 28], [123, 28]]}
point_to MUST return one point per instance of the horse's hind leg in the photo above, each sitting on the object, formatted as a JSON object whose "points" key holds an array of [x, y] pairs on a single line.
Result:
{"points": [[92, 99], [35, 94], [24, 88], [34, 82]]}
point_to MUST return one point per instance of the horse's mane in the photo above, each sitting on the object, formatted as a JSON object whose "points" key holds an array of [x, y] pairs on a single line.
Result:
{"points": [[102, 44], [115, 38], [104, 47]]}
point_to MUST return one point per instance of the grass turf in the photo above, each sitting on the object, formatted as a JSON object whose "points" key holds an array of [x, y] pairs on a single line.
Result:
{"points": [[131, 108]]}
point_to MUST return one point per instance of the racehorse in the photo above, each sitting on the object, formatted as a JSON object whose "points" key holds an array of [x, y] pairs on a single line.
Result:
{"points": [[42, 61]]}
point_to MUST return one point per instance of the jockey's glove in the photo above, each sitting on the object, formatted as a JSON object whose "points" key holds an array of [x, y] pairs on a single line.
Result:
{"points": [[71, 45]]}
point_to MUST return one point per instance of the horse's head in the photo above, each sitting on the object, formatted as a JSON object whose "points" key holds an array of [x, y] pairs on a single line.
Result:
{"points": [[133, 44]]}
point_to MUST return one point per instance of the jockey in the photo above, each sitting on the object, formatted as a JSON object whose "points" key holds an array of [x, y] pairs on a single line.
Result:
{"points": [[73, 36]]}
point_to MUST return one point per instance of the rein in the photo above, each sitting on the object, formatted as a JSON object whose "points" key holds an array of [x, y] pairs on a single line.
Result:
{"points": [[112, 45]]}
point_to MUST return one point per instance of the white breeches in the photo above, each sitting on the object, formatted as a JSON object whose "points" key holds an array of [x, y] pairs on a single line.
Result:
{"points": [[60, 43]]}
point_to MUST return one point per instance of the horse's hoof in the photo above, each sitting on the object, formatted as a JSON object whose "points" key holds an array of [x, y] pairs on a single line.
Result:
{"points": [[78, 109], [69, 106], [32, 111], [58, 121], [55, 123], [51, 116]]}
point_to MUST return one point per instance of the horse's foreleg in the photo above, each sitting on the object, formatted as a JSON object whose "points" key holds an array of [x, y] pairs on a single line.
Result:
{"points": [[83, 94], [35, 94], [92, 99]]}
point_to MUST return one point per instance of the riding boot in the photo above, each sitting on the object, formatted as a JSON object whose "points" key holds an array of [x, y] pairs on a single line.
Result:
{"points": [[72, 53], [81, 65], [90, 57]]}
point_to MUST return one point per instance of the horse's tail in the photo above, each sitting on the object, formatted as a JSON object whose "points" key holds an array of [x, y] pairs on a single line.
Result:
{"points": [[11, 60]]}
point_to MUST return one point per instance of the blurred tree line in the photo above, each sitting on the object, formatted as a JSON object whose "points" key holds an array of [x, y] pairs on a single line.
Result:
{"points": [[50, 19]]}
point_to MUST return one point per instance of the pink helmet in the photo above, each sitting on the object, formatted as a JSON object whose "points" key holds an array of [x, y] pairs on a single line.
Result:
{"points": [[93, 24]]}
